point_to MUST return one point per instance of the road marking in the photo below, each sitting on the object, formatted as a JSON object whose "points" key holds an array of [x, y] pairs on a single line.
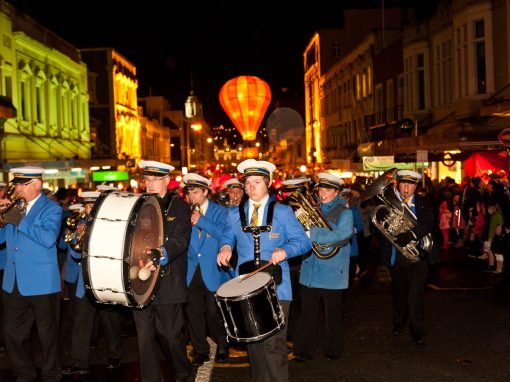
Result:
{"points": [[435, 287]]}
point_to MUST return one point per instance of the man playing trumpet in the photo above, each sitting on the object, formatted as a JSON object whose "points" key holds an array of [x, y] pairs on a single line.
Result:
{"points": [[32, 251]]}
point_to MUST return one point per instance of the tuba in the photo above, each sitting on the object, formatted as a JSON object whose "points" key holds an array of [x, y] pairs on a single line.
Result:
{"points": [[12, 212], [392, 217], [309, 215]]}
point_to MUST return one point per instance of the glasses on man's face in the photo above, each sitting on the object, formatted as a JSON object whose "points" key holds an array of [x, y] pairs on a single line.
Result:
{"points": [[154, 180]]}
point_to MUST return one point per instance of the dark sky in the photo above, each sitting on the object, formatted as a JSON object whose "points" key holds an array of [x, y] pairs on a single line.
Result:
{"points": [[169, 41]]}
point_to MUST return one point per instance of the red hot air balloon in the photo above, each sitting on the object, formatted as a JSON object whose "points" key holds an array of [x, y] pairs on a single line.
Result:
{"points": [[245, 100]]}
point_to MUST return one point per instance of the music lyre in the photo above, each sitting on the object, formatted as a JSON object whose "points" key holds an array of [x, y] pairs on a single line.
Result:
{"points": [[244, 277]]}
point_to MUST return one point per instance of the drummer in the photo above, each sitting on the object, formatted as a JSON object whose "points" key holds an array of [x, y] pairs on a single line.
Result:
{"points": [[85, 309], [280, 239], [162, 323]]}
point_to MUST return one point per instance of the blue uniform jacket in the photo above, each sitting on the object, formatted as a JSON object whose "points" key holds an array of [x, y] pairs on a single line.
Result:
{"points": [[204, 250], [358, 225], [72, 268], [32, 251], [74, 258], [287, 234], [331, 273]]}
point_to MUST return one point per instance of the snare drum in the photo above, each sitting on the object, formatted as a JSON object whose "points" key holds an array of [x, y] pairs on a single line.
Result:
{"points": [[120, 228], [250, 308]]}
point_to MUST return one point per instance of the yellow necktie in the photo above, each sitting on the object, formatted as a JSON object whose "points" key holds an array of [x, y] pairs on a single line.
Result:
{"points": [[255, 215]]}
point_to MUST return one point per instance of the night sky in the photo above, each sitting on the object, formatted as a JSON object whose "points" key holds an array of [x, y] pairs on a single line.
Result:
{"points": [[212, 41]]}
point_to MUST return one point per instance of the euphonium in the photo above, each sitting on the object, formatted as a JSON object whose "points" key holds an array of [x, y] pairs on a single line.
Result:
{"points": [[393, 217], [12, 212], [309, 215]]}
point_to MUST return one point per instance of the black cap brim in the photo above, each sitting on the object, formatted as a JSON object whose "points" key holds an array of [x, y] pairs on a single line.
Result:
{"points": [[21, 180]]}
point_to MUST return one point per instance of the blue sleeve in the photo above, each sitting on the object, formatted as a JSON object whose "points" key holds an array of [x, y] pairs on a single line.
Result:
{"points": [[164, 259], [341, 230]]}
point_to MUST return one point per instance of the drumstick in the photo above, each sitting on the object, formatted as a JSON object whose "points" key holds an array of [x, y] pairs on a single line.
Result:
{"points": [[244, 277]]}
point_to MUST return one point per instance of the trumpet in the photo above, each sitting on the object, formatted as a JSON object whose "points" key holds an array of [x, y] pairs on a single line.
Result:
{"points": [[76, 224], [12, 212]]}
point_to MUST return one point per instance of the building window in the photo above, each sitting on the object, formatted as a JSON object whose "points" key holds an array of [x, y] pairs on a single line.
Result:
{"points": [[390, 101], [443, 73], [336, 50], [420, 79], [479, 41], [358, 87], [364, 83], [379, 105]]}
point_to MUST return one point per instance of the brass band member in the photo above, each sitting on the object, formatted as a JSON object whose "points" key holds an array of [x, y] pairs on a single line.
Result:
{"points": [[204, 275], [285, 239], [408, 277], [235, 191], [84, 309], [162, 324], [325, 279], [31, 285]]}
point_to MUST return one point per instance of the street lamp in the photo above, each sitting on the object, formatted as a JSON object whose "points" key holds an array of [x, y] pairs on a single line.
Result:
{"points": [[193, 114]]}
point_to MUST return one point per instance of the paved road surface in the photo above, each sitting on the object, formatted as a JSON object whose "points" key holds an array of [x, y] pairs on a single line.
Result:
{"points": [[468, 337]]}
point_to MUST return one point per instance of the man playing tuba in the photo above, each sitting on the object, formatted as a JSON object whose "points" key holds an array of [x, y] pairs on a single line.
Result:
{"points": [[325, 278], [408, 276]]}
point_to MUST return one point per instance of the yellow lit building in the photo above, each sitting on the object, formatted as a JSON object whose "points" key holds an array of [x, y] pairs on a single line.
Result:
{"points": [[46, 80]]}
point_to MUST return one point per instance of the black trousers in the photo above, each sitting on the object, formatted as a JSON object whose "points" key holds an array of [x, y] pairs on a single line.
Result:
{"points": [[306, 334], [408, 289], [20, 314], [163, 325], [268, 358], [83, 323], [203, 316]]}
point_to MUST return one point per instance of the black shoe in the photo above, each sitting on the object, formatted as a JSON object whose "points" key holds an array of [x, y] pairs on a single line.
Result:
{"points": [[397, 331], [199, 360], [113, 363], [419, 340], [303, 357], [222, 354], [72, 370], [331, 357]]}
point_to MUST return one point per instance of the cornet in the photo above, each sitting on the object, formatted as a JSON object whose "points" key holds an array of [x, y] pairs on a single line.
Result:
{"points": [[12, 212]]}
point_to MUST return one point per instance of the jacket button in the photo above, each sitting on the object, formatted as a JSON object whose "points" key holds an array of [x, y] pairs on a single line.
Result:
{"points": [[199, 254]]}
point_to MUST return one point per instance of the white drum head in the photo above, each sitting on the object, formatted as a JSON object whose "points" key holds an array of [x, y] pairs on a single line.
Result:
{"points": [[123, 226], [239, 287]]}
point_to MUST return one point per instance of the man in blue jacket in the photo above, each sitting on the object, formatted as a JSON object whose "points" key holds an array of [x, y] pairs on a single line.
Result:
{"points": [[204, 275], [281, 238], [31, 285], [325, 278]]}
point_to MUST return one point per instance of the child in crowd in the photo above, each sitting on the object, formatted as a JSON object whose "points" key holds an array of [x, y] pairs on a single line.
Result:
{"points": [[445, 217]]}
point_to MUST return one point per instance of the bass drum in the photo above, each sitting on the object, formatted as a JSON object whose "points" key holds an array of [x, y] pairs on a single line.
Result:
{"points": [[120, 228]]}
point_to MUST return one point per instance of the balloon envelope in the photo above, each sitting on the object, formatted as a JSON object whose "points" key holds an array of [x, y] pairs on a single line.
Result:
{"points": [[245, 100], [286, 124]]}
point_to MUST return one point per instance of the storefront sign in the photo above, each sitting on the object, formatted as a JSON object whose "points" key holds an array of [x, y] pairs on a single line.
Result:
{"points": [[383, 163], [109, 176]]}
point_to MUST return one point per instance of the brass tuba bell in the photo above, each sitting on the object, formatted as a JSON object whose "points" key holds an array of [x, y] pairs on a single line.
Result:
{"points": [[392, 217], [308, 213], [14, 211]]}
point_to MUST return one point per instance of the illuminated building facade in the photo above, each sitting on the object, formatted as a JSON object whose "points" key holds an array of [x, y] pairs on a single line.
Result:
{"points": [[339, 86], [115, 127], [46, 80]]}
